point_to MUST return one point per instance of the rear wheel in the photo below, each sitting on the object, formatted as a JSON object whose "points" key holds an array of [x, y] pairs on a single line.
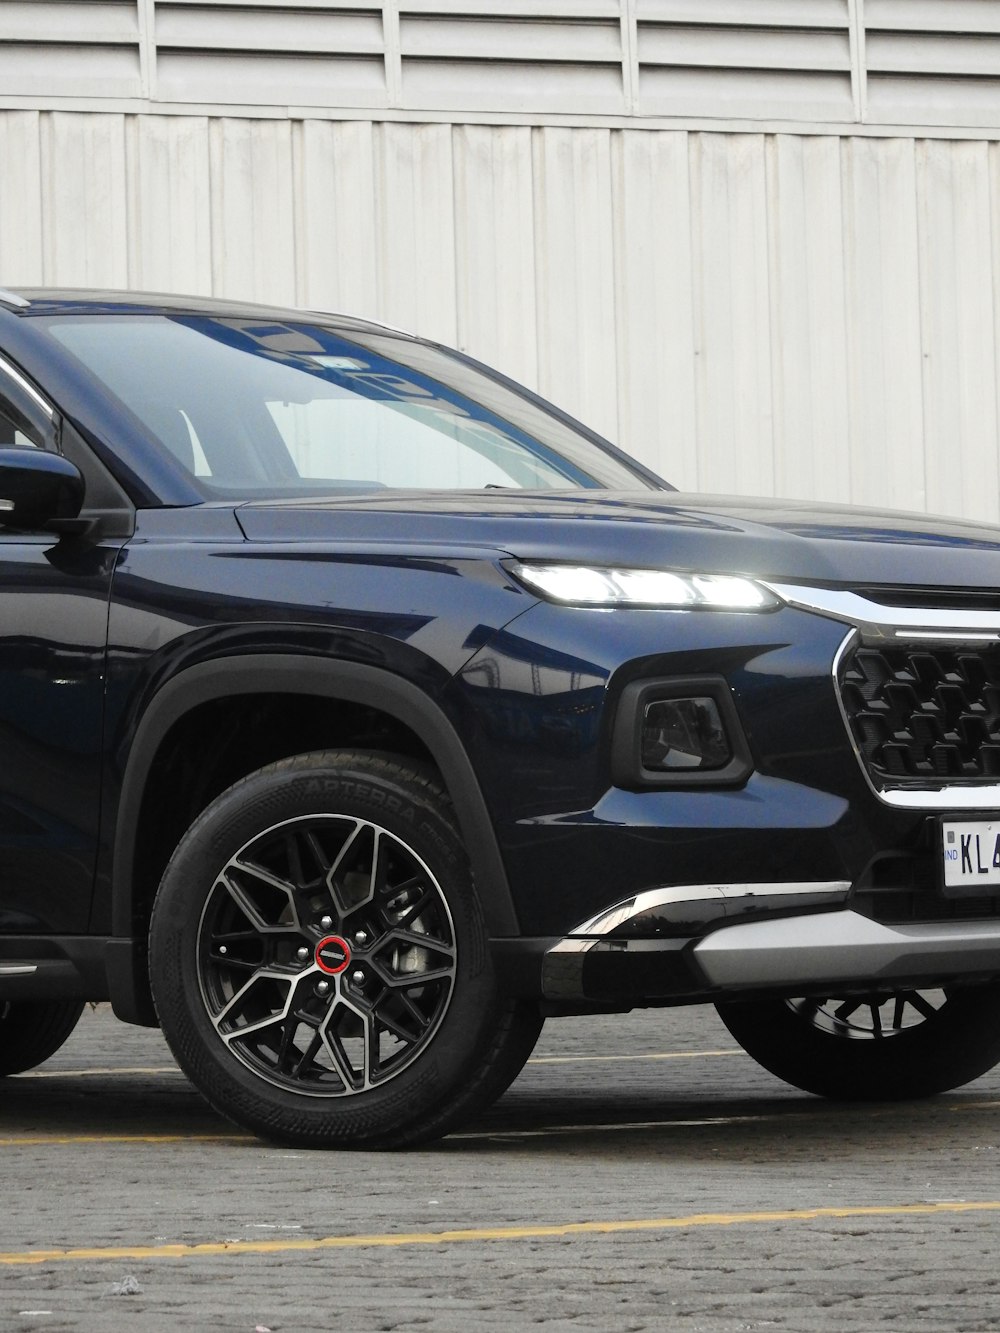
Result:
{"points": [[320, 961], [883, 1046], [32, 1030]]}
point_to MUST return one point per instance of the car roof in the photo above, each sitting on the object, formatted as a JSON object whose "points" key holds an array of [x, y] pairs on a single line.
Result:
{"points": [[83, 301]]}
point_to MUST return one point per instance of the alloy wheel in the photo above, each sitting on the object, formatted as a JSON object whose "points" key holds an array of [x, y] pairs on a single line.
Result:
{"points": [[872, 1016], [326, 955]]}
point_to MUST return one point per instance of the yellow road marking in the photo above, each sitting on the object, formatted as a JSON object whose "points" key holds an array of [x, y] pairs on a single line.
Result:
{"points": [[614, 1127], [93, 1073], [609, 1059], [560, 1230], [57, 1140], [109, 1070], [816, 1109], [496, 1133]]}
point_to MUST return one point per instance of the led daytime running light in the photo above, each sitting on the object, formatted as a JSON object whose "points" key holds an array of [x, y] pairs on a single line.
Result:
{"points": [[588, 585]]}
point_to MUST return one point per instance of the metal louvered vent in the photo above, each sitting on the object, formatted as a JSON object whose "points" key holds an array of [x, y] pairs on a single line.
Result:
{"points": [[542, 54], [931, 713], [883, 62], [87, 48], [275, 52], [778, 58], [928, 62]]}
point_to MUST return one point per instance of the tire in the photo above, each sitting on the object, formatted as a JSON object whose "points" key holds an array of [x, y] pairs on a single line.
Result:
{"points": [[32, 1030], [319, 959], [887, 1046]]}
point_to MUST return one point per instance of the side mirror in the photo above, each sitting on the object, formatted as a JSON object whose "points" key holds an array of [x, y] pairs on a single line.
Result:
{"points": [[38, 489]]}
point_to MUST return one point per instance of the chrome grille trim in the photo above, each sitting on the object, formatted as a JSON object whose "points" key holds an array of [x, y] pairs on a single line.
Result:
{"points": [[877, 621]]}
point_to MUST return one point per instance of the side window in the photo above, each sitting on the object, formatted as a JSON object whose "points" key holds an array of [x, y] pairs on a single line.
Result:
{"points": [[26, 419], [13, 433]]}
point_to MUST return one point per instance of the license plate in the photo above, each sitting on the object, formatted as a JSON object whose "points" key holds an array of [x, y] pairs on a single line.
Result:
{"points": [[971, 853]]}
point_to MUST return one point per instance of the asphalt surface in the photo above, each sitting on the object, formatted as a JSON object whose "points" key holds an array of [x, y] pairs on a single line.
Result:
{"points": [[641, 1174]]}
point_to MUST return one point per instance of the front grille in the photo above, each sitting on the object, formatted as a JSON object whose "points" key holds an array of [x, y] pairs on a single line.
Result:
{"points": [[931, 713], [933, 599]]}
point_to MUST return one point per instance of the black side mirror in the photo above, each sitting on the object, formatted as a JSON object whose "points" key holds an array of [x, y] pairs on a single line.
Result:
{"points": [[38, 489]]}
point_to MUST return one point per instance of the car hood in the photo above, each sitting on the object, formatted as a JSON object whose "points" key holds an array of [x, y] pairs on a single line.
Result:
{"points": [[784, 540]]}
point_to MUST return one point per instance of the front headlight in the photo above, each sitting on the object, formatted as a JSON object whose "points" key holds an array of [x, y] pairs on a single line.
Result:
{"points": [[588, 585]]}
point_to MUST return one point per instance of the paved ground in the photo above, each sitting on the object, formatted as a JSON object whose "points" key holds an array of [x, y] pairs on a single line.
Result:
{"points": [[641, 1174]]}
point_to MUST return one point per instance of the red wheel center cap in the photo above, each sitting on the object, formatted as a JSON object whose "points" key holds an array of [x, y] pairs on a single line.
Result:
{"points": [[333, 954]]}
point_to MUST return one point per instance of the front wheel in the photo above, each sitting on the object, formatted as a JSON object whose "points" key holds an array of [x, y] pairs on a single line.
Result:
{"points": [[320, 961], [884, 1046]]}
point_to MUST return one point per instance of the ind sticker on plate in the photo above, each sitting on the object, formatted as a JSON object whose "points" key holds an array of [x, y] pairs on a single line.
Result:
{"points": [[971, 853]]}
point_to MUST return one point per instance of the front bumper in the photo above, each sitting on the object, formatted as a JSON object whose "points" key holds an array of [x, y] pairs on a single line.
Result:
{"points": [[825, 953], [852, 898]]}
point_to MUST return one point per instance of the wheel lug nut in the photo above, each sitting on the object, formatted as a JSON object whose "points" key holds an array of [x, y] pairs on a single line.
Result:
{"points": [[361, 937], [322, 987], [358, 977], [326, 922], [223, 949], [302, 953]]}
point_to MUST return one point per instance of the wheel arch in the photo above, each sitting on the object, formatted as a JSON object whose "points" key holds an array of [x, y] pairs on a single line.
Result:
{"points": [[337, 681]]}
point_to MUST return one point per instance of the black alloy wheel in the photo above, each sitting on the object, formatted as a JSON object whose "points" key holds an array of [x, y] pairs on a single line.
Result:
{"points": [[320, 963], [326, 955], [878, 1046]]}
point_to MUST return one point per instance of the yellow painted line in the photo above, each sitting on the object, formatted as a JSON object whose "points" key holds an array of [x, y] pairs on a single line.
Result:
{"points": [[615, 1127], [62, 1140], [93, 1073], [816, 1109], [611, 1059], [559, 1231], [496, 1134], [544, 1131], [110, 1071], [107, 1071]]}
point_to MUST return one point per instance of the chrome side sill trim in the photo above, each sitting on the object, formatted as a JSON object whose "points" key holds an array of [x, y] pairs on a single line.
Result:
{"points": [[18, 969], [845, 947]]}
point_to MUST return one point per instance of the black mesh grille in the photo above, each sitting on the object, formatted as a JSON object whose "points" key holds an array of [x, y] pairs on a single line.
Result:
{"points": [[925, 712]]}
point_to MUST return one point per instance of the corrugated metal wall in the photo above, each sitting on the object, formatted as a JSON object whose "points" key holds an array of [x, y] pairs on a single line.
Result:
{"points": [[809, 312], [812, 316]]}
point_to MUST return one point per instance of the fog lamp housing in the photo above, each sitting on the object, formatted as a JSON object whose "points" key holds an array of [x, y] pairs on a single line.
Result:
{"points": [[679, 732]]}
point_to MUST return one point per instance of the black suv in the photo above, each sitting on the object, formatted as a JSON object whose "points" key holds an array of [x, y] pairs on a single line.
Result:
{"points": [[360, 710]]}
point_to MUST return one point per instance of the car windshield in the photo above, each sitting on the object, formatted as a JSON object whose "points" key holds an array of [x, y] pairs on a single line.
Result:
{"points": [[255, 407]]}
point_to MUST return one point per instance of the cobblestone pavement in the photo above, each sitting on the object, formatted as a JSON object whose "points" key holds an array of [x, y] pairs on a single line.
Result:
{"points": [[652, 1121]]}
